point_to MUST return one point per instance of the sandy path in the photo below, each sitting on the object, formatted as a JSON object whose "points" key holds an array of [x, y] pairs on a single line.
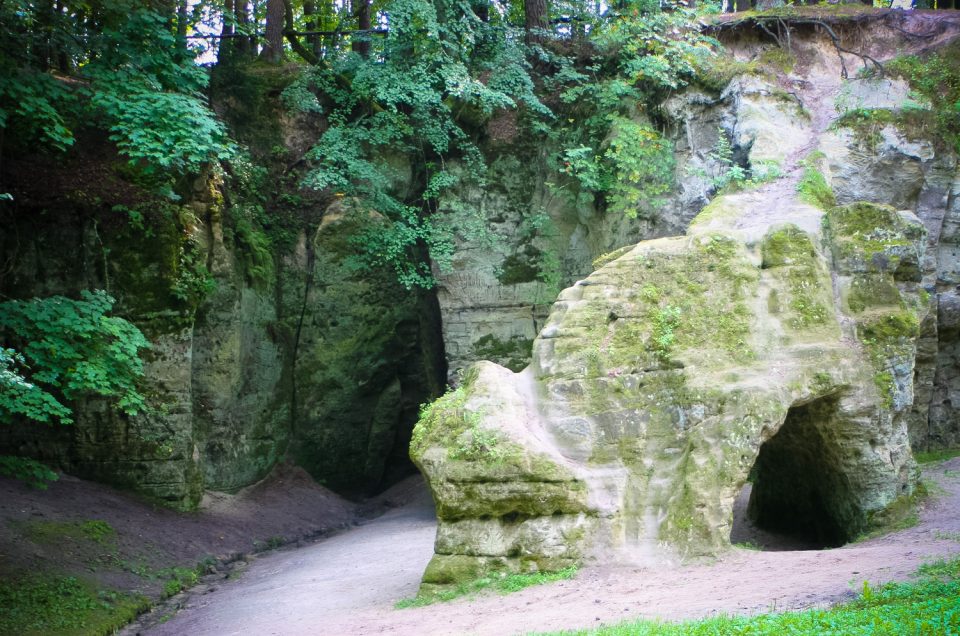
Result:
{"points": [[348, 584]]}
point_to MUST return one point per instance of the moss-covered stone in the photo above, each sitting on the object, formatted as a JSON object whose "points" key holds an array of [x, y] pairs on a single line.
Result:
{"points": [[653, 386], [803, 295], [866, 237], [512, 353], [361, 365]]}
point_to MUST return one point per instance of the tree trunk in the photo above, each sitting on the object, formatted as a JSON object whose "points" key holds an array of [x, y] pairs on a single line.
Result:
{"points": [[313, 24], [361, 41], [227, 43], [182, 13], [273, 44], [742, 5], [535, 19], [240, 8]]}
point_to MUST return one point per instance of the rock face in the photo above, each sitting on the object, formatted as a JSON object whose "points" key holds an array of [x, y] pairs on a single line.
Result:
{"points": [[495, 300], [662, 379], [802, 346], [543, 233], [258, 355], [893, 166]]}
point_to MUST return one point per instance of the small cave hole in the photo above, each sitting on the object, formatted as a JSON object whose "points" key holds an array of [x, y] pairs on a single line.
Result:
{"points": [[797, 496]]}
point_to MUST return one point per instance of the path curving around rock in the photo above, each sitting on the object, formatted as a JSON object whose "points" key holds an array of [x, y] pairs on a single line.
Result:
{"points": [[348, 584]]}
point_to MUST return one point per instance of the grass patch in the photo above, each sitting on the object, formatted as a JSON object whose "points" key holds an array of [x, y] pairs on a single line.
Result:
{"points": [[930, 605], [928, 457], [55, 531], [813, 187], [502, 583], [748, 545], [63, 605], [178, 579]]}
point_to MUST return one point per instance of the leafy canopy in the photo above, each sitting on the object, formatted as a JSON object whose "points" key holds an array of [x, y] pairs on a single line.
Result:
{"points": [[114, 64]]}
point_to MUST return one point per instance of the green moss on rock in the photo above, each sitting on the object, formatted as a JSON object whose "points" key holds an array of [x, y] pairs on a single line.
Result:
{"points": [[788, 245], [512, 353], [871, 237]]}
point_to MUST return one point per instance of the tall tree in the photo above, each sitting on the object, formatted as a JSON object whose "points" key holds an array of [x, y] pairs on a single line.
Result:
{"points": [[273, 37], [361, 41], [536, 19], [312, 24], [227, 43]]}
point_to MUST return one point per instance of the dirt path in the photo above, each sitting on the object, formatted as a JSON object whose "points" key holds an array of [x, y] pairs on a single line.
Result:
{"points": [[348, 584]]}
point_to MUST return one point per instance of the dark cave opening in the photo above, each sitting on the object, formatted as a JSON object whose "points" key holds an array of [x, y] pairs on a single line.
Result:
{"points": [[798, 496]]}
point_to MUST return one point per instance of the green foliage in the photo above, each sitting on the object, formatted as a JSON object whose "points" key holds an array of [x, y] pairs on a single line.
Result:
{"points": [[94, 530], [813, 187], [58, 606], [479, 444], [24, 397], [928, 457], [421, 95], [29, 470], [163, 132], [28, 108], [446, 412], [500, 582], [930, 605], [448, 423], [656, 50], [68, 349], [178, 579], [731, 176], [665, 321], [936, 77], [608, 148], [122, 68]]}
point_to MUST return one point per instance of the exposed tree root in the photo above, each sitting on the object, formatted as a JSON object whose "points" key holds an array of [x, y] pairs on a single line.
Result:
{"points": [[778, 25]]}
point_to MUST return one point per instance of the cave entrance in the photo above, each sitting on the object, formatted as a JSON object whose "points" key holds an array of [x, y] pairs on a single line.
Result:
{"points": [[798, 496]]}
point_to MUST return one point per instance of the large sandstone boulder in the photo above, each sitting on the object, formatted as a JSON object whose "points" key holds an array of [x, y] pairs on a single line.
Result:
{"points": [[667, 377]]}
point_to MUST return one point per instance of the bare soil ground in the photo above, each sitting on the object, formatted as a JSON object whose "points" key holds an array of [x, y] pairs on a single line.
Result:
{"points": [[348, 584], [287, 507]]}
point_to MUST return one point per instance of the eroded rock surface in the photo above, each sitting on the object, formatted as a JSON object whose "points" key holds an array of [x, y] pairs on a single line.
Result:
{"points": [[664, 377]]}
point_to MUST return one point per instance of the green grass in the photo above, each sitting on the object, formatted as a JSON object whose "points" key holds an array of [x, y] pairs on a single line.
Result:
{"points": [[504, 584], [178, 579], [55, 531], [63, 606], [928, 606], [928, 457], [813, 187]]}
